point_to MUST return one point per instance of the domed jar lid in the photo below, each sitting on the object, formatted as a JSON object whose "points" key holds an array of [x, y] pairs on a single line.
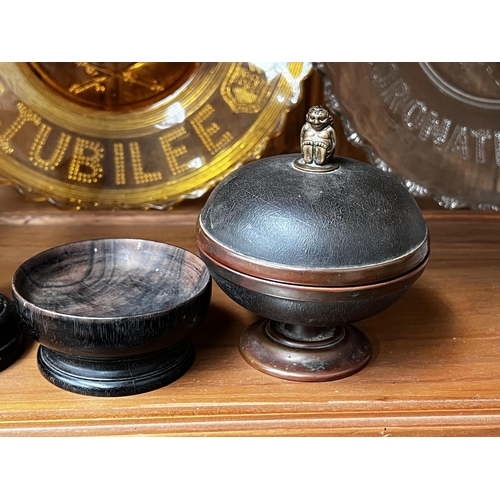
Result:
{"points": [[318, 220]]}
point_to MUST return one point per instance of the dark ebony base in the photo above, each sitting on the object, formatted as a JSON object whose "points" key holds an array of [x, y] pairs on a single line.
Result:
{"points": [[116, 376], [284, 351], [10, 351], [12, 339]]}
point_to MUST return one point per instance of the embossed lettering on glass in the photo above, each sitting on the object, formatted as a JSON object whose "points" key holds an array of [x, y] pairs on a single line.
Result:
{"points": [[130, 135], [436, 125]]}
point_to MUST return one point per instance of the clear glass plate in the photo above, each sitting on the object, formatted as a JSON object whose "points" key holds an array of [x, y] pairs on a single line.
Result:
{"points": [[436, 125]]}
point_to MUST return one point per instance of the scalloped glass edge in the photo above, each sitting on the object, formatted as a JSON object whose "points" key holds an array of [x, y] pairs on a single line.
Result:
{"points": [[363, 144], [296, 89]]}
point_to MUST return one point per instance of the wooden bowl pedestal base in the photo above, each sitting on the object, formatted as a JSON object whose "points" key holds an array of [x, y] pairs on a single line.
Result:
{"points": [[306, 354], [116, 376]]}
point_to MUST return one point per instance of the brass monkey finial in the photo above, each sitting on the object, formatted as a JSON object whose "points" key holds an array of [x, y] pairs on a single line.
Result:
{"points": [[317, 137]]}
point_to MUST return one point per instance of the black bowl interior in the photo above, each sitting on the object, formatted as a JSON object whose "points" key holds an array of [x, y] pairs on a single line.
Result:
{"points": [[110, 278]]}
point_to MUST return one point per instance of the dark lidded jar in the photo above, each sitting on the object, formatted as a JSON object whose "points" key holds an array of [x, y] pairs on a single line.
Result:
{"points": [[312, 244]]}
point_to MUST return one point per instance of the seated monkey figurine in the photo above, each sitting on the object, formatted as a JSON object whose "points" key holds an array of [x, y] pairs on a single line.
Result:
{"points": [[317, 137]]}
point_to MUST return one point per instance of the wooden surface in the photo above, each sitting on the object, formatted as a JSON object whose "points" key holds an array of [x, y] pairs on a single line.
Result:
{"points": [[435, 368]]}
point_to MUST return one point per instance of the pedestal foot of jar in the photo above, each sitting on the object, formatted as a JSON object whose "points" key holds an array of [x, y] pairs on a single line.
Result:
{"points": [[343, 351]]}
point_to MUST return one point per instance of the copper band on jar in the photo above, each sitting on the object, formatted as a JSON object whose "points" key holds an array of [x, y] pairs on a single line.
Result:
{"points": [[328, 277], [306, 293]]}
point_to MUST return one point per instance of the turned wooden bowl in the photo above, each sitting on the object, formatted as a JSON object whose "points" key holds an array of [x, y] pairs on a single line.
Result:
{"points": [[113, 316]]}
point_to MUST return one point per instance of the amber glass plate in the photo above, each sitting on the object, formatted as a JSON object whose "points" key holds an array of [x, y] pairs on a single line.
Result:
{"points": [[136, 135]]}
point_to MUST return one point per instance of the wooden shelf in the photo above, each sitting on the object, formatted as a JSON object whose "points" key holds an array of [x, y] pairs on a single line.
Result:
{"points": [[435, 368]]}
